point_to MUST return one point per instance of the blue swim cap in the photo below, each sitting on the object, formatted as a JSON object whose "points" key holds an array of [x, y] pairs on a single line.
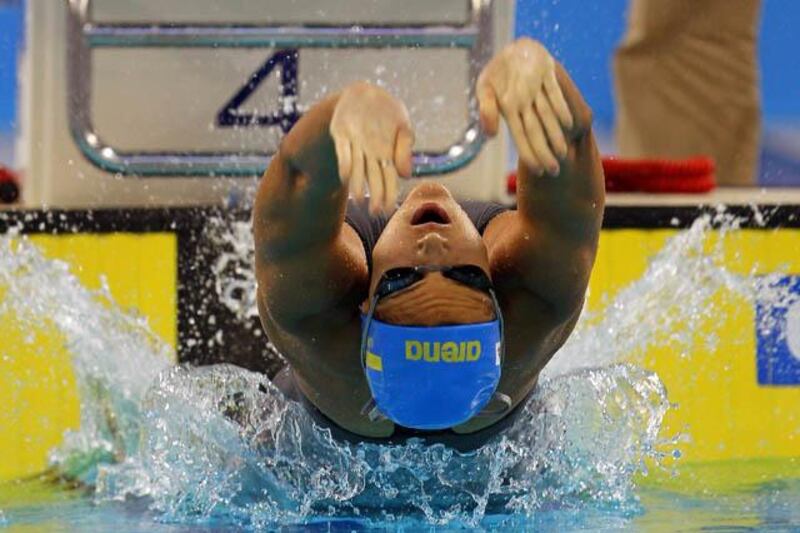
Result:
{"points": [[432, 377]]}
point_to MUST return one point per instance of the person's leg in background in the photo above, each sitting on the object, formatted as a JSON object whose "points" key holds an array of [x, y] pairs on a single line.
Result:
{"points": [[687, 83]]}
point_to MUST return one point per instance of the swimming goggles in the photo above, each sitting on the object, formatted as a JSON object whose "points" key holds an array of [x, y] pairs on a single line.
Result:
{"points": [[398, 279]]}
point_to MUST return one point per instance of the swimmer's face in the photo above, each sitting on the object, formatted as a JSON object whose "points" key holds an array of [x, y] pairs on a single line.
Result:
{"points": [[430, 228]]}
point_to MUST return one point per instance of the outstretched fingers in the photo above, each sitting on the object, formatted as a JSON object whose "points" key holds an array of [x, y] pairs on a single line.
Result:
{"points": [[389, 185], [487, 108], [375, 182], [402, 152], [524, 151], [358, 173], [538, 141], [557, 100], [344, 157], [551, 126]]}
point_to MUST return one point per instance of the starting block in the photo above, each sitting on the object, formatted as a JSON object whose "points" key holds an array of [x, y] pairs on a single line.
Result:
{"points": [[176, 102]]}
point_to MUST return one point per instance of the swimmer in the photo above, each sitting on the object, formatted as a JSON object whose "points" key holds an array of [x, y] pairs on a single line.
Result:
{"points": [[434, 318]]}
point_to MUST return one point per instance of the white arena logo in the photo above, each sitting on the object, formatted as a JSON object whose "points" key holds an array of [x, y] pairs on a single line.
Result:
{"points": [[793, 329]]}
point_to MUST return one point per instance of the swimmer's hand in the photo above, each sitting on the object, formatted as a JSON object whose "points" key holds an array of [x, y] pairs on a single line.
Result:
{"points": [[521, 82], [373, 138]]}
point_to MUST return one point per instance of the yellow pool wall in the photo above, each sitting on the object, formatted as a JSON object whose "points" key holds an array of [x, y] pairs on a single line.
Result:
{"points": [[721, 412]]}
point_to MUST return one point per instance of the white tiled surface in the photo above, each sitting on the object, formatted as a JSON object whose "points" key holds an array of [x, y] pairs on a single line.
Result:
{"points": [[728, 196]]}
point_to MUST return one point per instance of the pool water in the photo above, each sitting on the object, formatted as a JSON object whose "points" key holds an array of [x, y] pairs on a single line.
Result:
{"points": [[180, 448], [38, 505]]}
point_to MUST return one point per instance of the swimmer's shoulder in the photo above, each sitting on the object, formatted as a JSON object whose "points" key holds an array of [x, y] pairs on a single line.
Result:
{"points": [[499, 225], [535, 328]]}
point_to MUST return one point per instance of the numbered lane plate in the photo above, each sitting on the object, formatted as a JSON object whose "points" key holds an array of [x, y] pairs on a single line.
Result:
{"points": [[185, 88]]}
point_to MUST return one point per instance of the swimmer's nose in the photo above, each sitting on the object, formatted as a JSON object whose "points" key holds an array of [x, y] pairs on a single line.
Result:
{"points": [[432, 246]]}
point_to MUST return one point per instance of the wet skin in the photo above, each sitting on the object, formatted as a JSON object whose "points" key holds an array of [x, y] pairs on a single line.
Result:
{"points": [[313, 279]]}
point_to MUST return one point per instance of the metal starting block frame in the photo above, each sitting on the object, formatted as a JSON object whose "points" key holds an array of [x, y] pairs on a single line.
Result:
{"points": [[84, 36]]}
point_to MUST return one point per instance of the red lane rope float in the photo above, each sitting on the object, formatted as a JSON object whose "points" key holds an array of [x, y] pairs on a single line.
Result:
{"points": [[9, 186], [693, 175]]}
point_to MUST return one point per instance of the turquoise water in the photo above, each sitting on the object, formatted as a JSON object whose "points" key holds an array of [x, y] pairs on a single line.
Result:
{"points": [[187, 449], [771, 506]]}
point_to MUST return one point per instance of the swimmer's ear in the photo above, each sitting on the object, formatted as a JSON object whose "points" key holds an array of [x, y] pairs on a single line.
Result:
{"points": [[402, 152], [487, 106]]}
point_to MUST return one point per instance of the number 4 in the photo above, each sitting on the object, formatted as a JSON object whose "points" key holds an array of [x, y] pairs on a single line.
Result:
{"points": [[230, 115]]}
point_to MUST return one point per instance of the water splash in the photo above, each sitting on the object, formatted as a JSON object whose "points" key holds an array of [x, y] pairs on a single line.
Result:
{"points": [[675, 302], [233, 270], [114, 354], [222, 444]]}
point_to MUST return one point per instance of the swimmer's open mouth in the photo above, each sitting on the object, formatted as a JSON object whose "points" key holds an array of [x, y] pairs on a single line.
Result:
{"points": [[430, 213]]}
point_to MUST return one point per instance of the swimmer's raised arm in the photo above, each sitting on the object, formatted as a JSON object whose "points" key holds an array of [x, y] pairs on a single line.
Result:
{"points": [[308, 262], [548, 246]]}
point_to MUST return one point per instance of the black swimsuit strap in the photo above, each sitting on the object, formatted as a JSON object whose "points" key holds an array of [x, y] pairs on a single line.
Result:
{"points": [[369, 227]]}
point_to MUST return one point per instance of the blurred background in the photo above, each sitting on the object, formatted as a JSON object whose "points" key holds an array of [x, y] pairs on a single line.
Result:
{"points": [[583, 35], [11, 28]]}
